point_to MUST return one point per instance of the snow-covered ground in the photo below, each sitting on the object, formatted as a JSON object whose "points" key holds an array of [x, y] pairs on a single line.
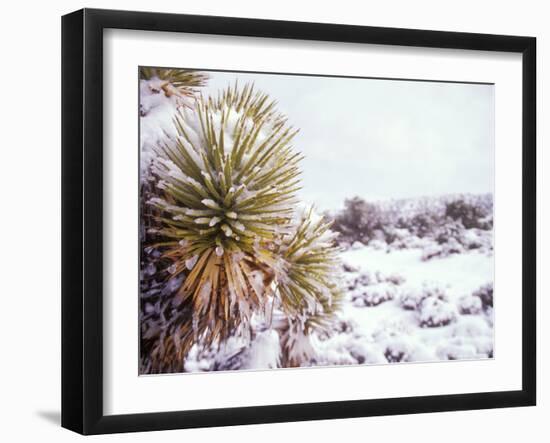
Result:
{"points": [[400, 308]]}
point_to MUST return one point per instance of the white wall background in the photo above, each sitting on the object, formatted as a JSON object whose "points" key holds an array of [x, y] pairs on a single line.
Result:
{"points": [[30, 222]]}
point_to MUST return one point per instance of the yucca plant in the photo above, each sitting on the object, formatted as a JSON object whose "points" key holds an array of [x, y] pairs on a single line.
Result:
{"points": [[227, 187], [310, 292], [173, 82], [162, 91]]}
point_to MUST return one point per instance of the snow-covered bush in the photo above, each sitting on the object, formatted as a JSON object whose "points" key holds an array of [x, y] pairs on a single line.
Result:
{"points": [[231, 238], [412, 298], [406, 349], [359, 220], [377, 244], [360, 279], [346, 267], [435, 312], [475, 331], [365, 278], [346, 347], [456, 350], [432, 303], [371, 289], [471, 327], [447, 231], [432, 251], [472, 238], [373, 295], [472, 214], [481, 300], [394, 278], [485, 294], [471, 337], [470, 305], [452, 246]]}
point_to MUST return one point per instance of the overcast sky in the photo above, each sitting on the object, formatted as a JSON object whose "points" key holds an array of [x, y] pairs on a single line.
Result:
{"points": [[382, 139]]}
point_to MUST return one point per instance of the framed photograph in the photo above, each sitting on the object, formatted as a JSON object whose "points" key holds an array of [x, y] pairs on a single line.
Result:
{"points": [[269, 221]]}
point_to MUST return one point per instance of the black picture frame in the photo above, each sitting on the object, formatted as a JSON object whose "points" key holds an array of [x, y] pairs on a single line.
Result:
{"points": [[82, 216]]}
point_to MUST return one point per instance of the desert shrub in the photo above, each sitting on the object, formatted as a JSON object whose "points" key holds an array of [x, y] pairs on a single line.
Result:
{"points": [[485, 294], [456, 350], [403, 349], [481, 300], [469, 305], [346, 267], [471, 337], [472, 214], [435, 312], [394, 278], [373, 295], [422, 225], [365, 278], [358, 220], [447, 231], [412, 298], [452, 246], [348, 348], [396, 354]]}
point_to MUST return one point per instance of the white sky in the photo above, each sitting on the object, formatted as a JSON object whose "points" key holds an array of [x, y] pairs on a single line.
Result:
{"points": [[381, 139]]}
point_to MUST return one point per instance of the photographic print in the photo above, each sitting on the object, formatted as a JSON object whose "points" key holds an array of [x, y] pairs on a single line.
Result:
{"points": [[305, 221]]}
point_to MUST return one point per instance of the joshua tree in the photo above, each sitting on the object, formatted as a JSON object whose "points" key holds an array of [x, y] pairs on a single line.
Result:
{"points": [[232, 243], [162, 91], [308, 290], [178, 83]]}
